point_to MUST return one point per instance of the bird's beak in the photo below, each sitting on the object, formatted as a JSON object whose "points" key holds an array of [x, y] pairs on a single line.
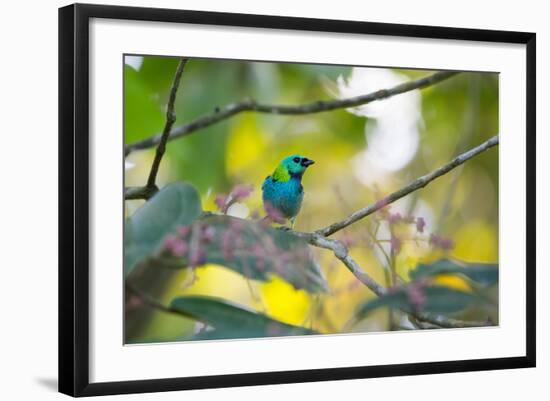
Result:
{"points": [[307, 162]]}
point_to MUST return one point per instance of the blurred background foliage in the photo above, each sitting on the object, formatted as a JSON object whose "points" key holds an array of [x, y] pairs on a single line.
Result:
{"points": [[360, 154]]}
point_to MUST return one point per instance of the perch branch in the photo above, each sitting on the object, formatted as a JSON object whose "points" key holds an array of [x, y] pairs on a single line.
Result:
{"points": [[315, 107], [151, 187], [417, 184]]}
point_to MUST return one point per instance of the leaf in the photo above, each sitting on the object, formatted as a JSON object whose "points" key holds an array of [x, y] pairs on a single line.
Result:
{"points": [[175, 205], [439, 299], [256, 251], [231, 320], [485, 274]]}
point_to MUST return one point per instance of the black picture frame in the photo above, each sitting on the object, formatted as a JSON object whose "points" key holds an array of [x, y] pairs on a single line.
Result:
{"points": [[74, 198]]}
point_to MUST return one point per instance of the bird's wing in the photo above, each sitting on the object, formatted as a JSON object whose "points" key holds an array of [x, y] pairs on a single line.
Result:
{"points": [[267, 179]]}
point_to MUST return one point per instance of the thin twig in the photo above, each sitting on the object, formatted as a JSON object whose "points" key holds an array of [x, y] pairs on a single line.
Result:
{"points": [[170, 119], [419, 183], [309, 108]]}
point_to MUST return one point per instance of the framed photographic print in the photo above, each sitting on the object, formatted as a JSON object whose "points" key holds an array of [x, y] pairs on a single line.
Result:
{"points": [[250, 199]]}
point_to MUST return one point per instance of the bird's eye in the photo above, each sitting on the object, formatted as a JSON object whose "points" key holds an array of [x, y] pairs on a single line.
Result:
{"points": [[296, 160]]}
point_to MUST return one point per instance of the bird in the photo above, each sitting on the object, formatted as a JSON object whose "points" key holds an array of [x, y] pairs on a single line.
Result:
{"points": [[282, 191]]}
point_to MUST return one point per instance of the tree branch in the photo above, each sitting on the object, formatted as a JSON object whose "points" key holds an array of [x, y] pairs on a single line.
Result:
{"points": [[310, 108], [419, 183], [319, 237], [342, 253], [151, 188]]}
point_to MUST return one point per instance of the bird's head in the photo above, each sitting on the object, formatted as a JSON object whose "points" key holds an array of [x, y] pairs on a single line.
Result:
{"points": [[294, 165]]}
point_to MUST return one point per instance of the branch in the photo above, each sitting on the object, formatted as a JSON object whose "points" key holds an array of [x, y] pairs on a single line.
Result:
{"points": [[342, 253], [419, 183], [319, 238], [151, 188], [315, 107]]}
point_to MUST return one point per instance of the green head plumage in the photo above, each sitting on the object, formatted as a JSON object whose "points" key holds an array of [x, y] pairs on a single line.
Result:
{"points": [[293, 165]]}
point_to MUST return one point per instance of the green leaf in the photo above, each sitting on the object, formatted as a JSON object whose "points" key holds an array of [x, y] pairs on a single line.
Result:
{"points": [[175, 205], [256, 251], [484, 274], [230, 320], [439, 299]]}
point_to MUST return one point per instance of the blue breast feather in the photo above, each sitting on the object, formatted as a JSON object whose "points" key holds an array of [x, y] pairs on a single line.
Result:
{"points": [[286, 196]]}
